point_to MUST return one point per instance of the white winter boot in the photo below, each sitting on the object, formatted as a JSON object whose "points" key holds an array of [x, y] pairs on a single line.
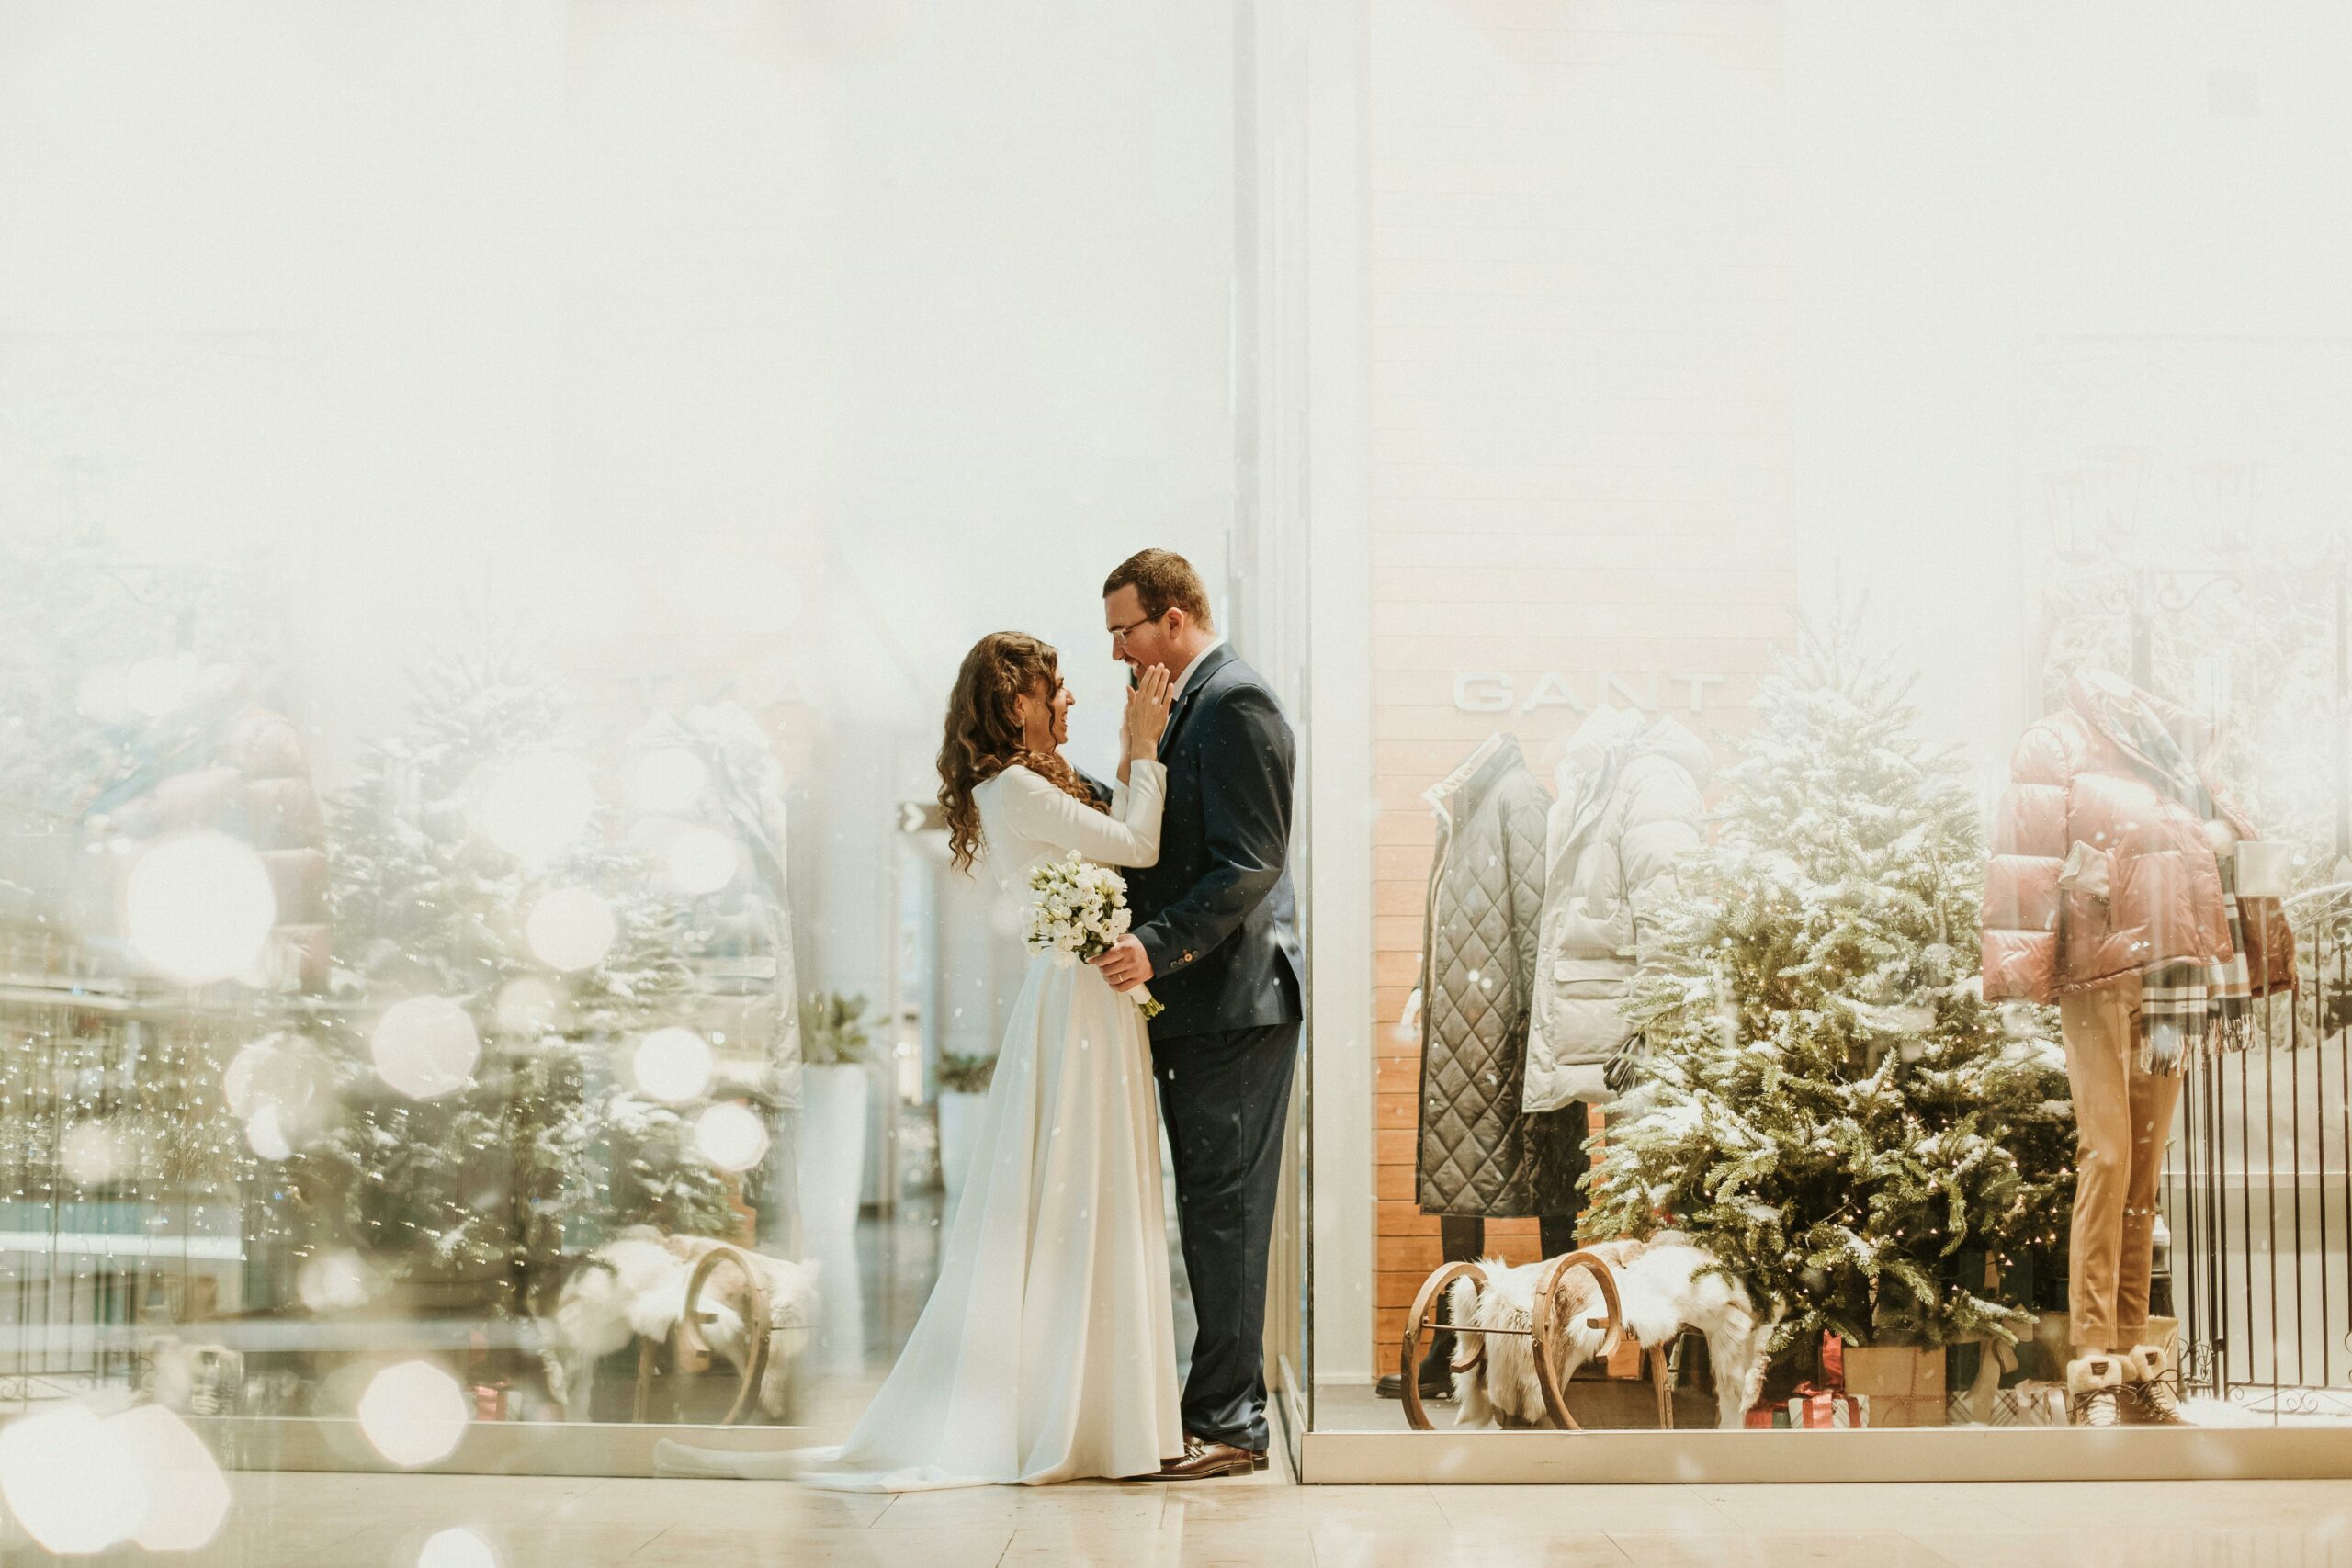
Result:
{"points": [[2095, 1390], [2151, 1388]]}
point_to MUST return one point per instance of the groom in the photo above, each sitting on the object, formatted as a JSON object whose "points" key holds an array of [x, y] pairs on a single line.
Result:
{"points": [[1216, 936]]}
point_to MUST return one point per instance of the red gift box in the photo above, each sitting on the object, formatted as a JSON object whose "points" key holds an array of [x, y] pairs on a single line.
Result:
{"points": [[1821, 1410]]}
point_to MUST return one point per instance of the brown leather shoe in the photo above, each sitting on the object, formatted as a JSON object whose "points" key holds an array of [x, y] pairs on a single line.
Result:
{"points": [[1203, 1462], [1257, 1456]]}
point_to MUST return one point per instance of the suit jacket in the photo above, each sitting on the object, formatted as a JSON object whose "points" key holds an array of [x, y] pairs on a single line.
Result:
{"points": [[1217, 915]]}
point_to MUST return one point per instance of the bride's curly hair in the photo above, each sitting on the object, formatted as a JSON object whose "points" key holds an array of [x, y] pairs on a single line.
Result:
{"points": [[984, 732]]}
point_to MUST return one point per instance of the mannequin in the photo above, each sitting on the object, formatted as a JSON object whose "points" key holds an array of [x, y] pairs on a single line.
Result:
{"points": [[1480, 1153], [2110, 892], [1630, 808]]}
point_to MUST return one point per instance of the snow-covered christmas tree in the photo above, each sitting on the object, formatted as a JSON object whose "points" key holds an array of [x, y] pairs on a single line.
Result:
{"points": [[1826, 1103], [486, 900]]}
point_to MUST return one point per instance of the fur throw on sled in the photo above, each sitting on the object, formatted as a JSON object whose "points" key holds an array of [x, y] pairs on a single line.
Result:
{"points": [[635, 1287], [1665, 1285]]}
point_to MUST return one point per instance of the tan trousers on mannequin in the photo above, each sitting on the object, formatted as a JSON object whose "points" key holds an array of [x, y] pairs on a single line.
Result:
{"points": [[2122, 1116]]}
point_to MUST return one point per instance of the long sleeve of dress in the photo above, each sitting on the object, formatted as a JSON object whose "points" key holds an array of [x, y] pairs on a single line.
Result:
{"points": [[1127, 835]]}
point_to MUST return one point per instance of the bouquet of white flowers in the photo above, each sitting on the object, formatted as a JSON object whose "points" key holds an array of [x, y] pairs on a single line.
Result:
{"points": [[1080, 912]]}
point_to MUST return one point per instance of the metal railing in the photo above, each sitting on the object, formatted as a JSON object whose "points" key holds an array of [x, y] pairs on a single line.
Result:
{"points": [[2258, 1193]]}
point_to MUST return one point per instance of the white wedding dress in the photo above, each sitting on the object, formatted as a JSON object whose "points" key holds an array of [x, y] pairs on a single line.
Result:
{"points": [[1046, 1351]]}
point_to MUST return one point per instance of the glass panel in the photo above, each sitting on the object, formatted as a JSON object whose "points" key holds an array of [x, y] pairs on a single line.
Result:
{"points": [[1825, 597], [495, 514]]}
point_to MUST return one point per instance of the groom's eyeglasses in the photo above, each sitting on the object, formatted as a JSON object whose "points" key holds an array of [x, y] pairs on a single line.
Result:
{"points": [[1119, 634]]}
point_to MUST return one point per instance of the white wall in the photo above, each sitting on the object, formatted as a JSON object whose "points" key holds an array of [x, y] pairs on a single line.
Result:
{"points": [[2026, 235]]}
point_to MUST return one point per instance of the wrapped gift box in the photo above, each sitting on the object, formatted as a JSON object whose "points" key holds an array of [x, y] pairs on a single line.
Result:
{"points": [[1820, 1411], [2032, 1403], [1972, 1406], [1905, 1384]]}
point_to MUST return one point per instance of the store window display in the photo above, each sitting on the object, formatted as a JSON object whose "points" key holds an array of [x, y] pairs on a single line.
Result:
{"points": [[1586, 480], [1893, 1068]]}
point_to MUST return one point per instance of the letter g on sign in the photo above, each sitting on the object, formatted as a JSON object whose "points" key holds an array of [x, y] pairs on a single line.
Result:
{"points": [[1482, 691]]}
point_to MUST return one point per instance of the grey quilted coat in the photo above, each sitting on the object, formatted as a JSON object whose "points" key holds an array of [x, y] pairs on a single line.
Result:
{"points": [[1629, 807], [1479, 1153]]}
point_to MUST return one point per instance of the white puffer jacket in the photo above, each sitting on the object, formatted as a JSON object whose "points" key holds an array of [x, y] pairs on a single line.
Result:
{"points": [[1628, 806]]}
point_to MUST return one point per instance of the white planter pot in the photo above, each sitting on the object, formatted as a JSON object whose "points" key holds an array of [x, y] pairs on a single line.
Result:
{"points": [[959, 1119], [832, 1146]]}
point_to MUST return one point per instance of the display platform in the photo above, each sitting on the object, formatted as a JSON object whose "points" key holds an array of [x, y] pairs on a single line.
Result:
{"points": [[1962, 1453]]}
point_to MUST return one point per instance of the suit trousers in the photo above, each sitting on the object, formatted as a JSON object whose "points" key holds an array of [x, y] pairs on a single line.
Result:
{"points": [[1225, 1099], [2122, 1118]]}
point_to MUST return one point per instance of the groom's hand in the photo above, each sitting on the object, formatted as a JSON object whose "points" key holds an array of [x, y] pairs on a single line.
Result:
{"points": [[1125, 966]]}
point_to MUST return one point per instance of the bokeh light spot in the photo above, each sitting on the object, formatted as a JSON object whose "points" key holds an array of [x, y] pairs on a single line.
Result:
{"points": [[673, 1065], [425, 1046], [94, 1154], [414, 1414], [267, 1136], [571, 929], [189, 1498], [528, 1006], [335, 1281], [199, 906], [457, 1548], [71, 1480], [730, 1137]]}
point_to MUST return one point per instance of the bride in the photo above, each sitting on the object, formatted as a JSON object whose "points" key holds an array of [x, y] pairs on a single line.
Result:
{"points": [[1046, 1351]]}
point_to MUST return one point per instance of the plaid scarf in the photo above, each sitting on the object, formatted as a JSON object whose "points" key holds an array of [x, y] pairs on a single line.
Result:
{"points": [[2174, 1007], [2231, 989], [2189, 1010]]}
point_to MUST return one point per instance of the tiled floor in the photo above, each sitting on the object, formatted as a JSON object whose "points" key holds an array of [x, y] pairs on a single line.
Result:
{"points": [[366, 1521], [407, 1521]]}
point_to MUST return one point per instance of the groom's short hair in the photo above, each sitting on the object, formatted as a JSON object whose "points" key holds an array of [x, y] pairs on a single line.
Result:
{"points": [[1162, 579]]}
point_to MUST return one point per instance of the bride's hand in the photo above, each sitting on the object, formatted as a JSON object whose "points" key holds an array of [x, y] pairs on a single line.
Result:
{"points": [[1147, 719]]}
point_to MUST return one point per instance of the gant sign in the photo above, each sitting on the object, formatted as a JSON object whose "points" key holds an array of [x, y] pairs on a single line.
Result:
{"points": [[1499, 691]]}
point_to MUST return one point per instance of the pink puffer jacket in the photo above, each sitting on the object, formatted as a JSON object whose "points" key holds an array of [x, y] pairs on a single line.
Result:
{"points": [[2097, 870]]}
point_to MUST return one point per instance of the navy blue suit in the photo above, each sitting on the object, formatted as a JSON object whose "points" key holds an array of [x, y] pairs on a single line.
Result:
{"points": [[1218, 920]]}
